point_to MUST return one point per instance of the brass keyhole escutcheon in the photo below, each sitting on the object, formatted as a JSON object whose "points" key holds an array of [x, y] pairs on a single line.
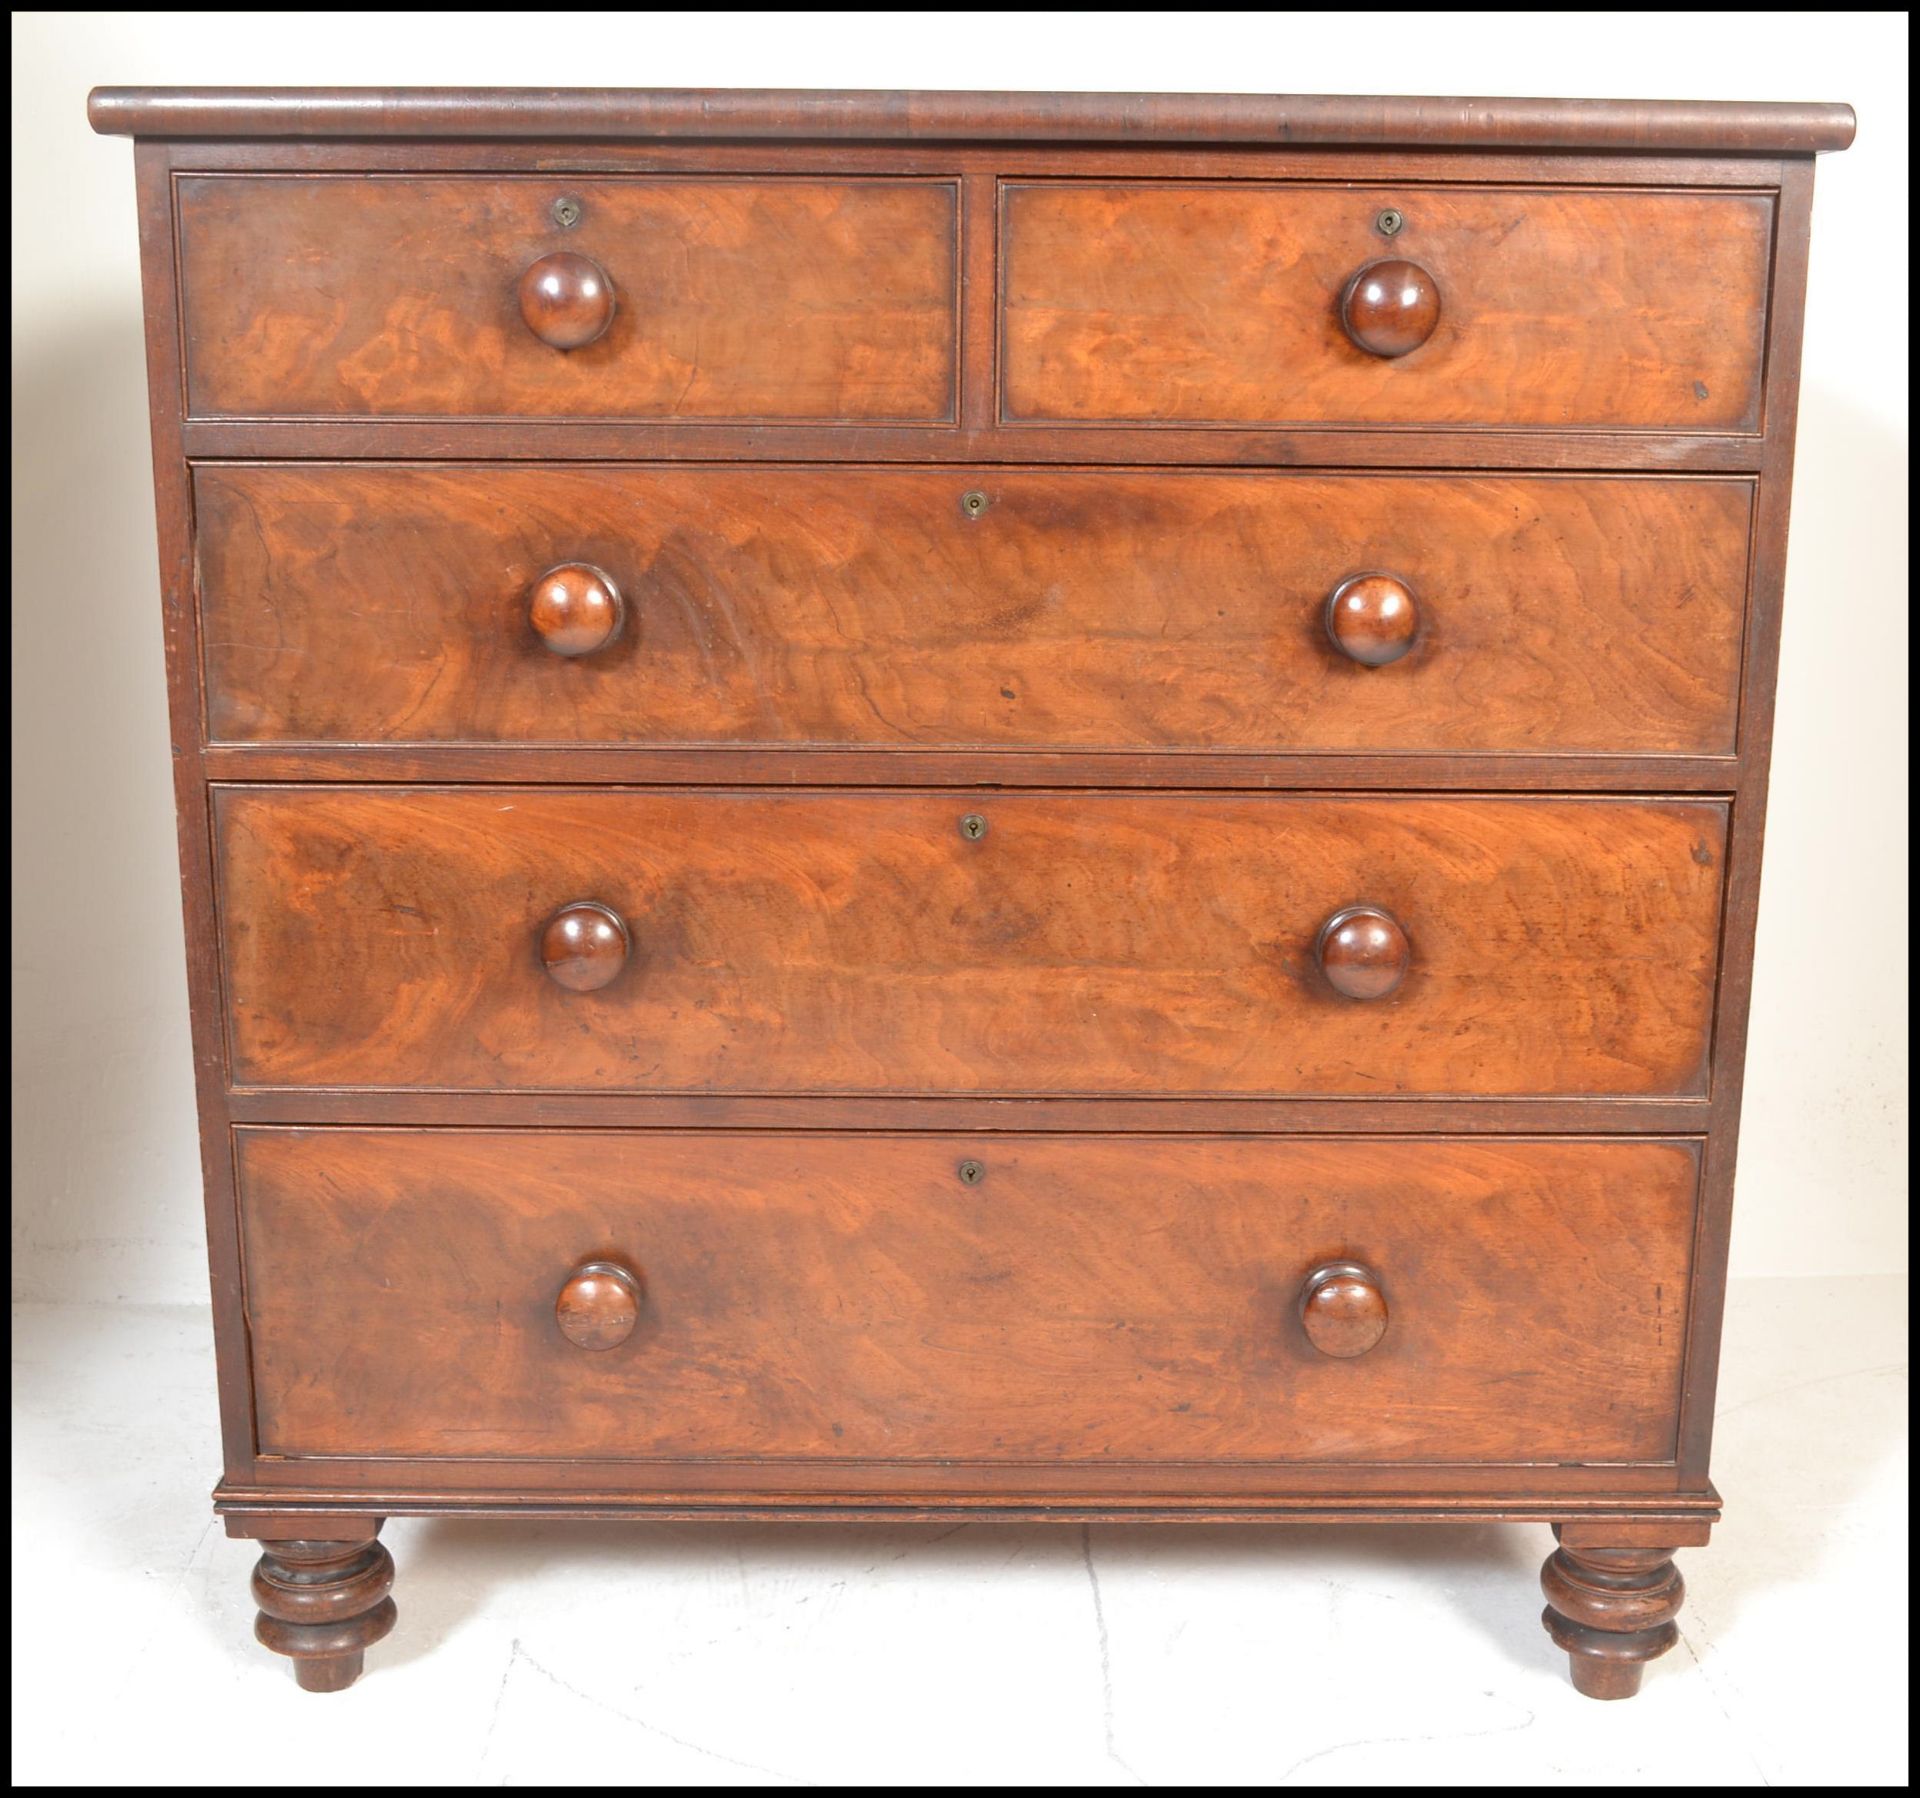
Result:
{"points": [[973, 827], [972, 1172], [974, 503], [566, 212], [1388, 224]]}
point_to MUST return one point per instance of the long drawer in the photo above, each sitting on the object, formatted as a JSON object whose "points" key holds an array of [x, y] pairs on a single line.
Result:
{"points": [[971, 607], [530, 938], [664, 298], [989, 1299], [1238, 303]]}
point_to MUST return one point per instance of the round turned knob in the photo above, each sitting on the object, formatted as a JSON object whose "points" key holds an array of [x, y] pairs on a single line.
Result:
{"points": [[1390, 307], [566, 300], [584, 945], [1373, 619], [576, 609], [599, 1305], [1363, 952], [1342, 1309]]}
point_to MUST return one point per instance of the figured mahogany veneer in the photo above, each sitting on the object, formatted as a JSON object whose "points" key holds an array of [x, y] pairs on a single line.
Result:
{"points": [[1092, 1299], [936, 806], [866, 606], [1232, 304], [1102, 943], [750, 298]]}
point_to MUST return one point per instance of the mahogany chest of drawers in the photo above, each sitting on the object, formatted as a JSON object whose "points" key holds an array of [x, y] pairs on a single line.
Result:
{"points": [[968, 806]]}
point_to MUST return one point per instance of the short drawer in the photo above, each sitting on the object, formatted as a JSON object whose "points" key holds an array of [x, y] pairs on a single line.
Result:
{"points": [[1243, 304], [1022, 609], [746, 941], [664, 298], [1073, 1299]]}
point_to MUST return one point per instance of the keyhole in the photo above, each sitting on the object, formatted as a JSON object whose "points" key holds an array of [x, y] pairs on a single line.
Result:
{"points": [[972, 1172], [973, 504], [973, 827]]}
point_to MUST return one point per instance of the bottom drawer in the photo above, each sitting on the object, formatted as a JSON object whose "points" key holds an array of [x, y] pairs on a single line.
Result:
{"points": [[1062, 1299]]}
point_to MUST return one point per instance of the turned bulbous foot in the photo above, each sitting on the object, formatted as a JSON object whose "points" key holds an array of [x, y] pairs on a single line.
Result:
{"points": [[1612, 1610], [324, 1604]]}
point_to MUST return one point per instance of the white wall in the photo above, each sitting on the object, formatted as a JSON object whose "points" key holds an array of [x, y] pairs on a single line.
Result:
{"points": [[105, 1172]]}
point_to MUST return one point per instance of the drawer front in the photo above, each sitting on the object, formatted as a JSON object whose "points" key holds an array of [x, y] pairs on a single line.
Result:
{"points": [[876, 607], [1089, 1299], [1223, 304], [859, 942], [729, 299]]}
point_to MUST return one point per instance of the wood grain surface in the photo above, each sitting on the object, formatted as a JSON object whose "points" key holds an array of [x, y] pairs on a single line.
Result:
{"points": [[1090, 1300], [870, 607], [857, 942], [717, 1138], [895, 117], [1196, 304], [736, 299]]}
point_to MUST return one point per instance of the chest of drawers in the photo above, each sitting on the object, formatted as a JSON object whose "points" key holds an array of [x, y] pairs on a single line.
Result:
{"points": [[967, 806]]}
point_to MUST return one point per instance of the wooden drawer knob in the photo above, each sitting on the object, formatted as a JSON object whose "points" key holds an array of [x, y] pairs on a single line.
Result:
{"points": [[576, 609], [599, 1305], [1390, 307], [1363, 952], [566, 300], [1373, 619], [1342, 1309], [585, 945]]}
